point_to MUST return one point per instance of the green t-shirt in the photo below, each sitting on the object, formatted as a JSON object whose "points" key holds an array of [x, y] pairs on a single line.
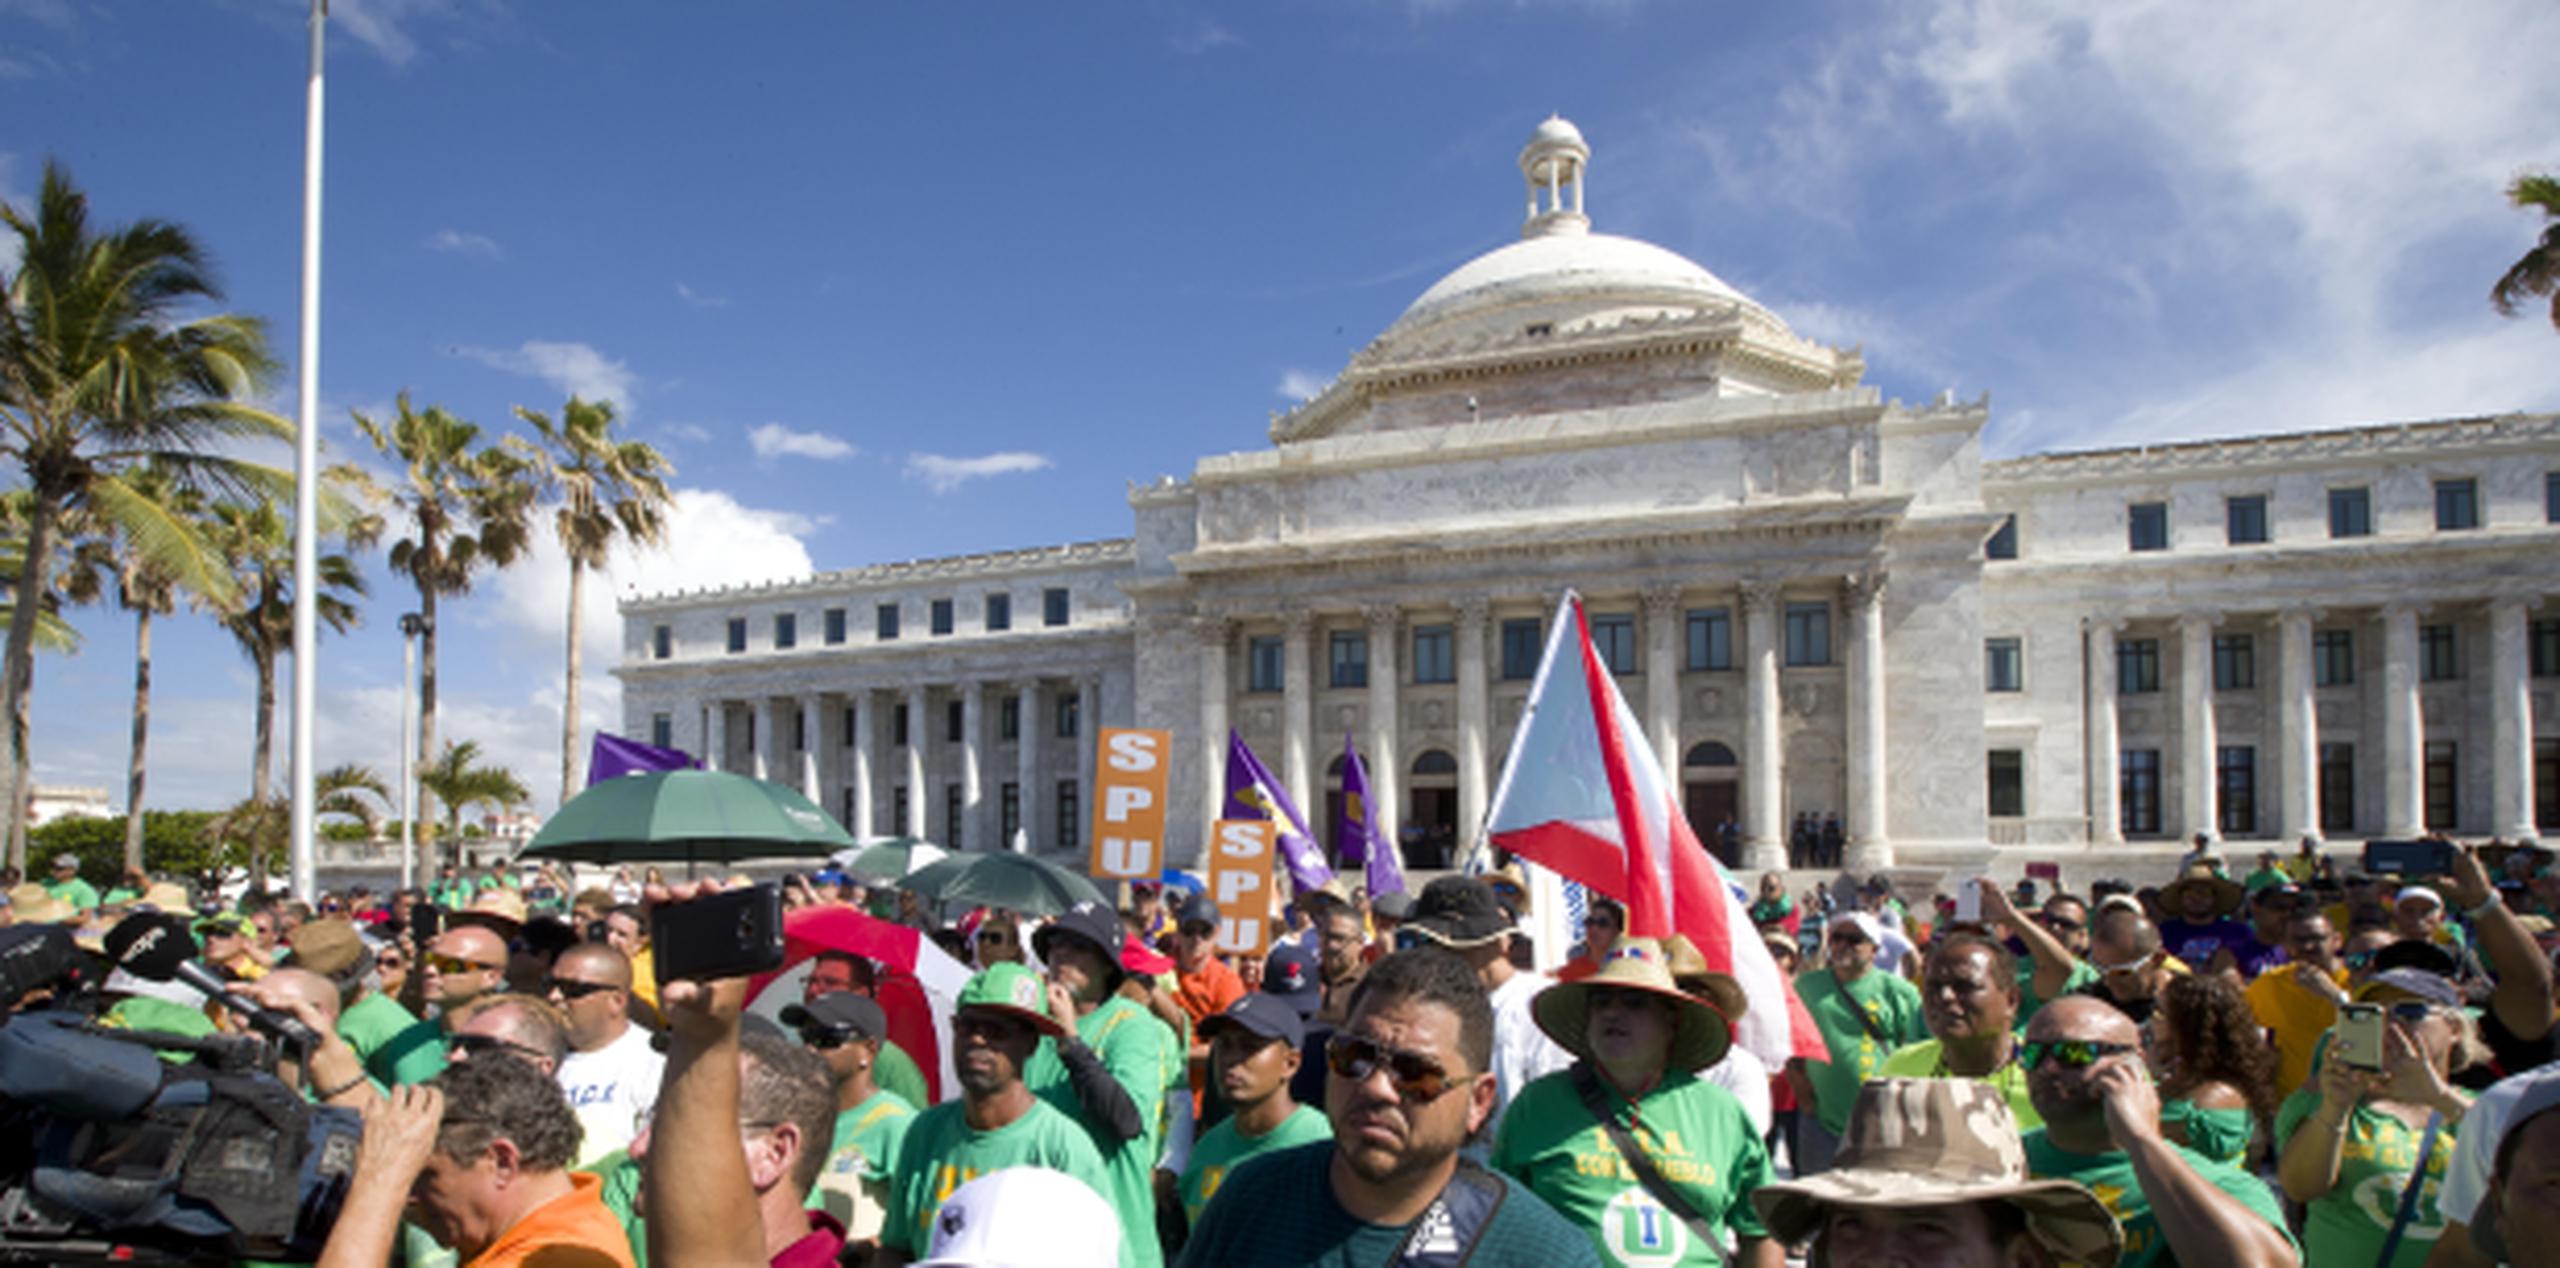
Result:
{"points": [[1225, 1148], [2110, 1176], [895, 1071], [620, 1193], [1697, 1134], [1280, 1209], [390, 1042], [1769, 911], [1139, 1051], [452, 895], [1925, 1060], [2219, 1134], [941, 1152], [120, 894], [2347, 1224], [2028, 1001], [861, 1158], [80, 894], [1858, 1049]]}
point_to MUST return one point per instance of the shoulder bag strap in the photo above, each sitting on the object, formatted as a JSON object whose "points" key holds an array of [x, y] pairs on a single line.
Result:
{"points": [[2409, 1191], [1446, 1233], [1858, 1010], [1587, 1083]]}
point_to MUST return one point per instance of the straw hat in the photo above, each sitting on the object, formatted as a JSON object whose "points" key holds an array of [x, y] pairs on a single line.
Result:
{"points": [[2227, 893], [1699, 1036], [501, 910], [167, 896], [32, 904], [1690, 972]]}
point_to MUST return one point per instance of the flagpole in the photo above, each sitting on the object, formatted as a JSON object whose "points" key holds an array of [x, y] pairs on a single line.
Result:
{"points": [[306, 479]]}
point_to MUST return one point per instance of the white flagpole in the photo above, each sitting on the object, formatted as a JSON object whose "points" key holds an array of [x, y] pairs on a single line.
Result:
{"points": [[306, 481]]}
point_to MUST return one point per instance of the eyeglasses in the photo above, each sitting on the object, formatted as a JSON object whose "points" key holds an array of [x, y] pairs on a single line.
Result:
{"points": [[575, 990], [1415, 1077], [828, 1036], [474, 1045], [2078, 1054], [443, 963]]}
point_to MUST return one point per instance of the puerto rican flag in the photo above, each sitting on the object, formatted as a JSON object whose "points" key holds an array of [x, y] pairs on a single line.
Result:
{"points": [[1588, 800]]}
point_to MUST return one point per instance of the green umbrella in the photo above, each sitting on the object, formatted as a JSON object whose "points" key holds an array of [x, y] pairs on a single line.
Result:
{"points": [[1020, 882], [889, 858], [687, 816]]}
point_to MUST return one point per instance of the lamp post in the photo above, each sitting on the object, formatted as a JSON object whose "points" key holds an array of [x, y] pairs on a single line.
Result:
{"points": [[411, 626]]}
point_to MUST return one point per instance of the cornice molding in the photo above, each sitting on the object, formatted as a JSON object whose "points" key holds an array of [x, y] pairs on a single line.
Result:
{"points": [[2294, 449], [1116, 551]]}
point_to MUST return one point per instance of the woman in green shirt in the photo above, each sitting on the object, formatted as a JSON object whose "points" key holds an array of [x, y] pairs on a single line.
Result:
{"points": [[2355, 1138], [2216, 1070]]}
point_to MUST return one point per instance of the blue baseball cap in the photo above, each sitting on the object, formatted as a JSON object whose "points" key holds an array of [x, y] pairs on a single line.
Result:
{"points": [[1289, 975], [1266, 1015]]}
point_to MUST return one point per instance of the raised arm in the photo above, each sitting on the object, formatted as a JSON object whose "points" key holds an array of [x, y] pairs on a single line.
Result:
{"points": [[701, 1210], [2202, 1223], [2054, 961], [2521, 975]]}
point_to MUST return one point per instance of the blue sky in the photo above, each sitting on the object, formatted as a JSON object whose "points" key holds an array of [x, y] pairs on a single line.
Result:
{"points": [[889, 281]]}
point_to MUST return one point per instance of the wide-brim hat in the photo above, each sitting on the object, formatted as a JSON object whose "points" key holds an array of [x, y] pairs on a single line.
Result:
{"points": [[166, 896], [1690, 972], [2227, 893], [1700, 1035], [1012, 989], [1458, 911], [33, 904], [501, 910], [1933, 1142]]}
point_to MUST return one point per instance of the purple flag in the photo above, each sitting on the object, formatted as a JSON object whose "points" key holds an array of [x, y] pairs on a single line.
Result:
{"points": [[1253, 794], [612, 757], [1358, 832]]}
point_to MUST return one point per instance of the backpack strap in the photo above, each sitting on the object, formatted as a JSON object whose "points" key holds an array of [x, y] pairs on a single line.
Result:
{"points": [[1587, 1083], [1446, 1233], [2409, 1192]]}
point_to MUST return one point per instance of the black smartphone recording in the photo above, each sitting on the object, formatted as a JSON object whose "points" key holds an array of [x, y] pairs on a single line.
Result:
{"points": [[735, 933]]}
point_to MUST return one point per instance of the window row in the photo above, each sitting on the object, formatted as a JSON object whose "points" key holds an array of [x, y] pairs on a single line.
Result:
{"points": [[1523, 641], [2236, 787], [2245, 520], [1065, 720], [2235, 659], [1067, 797], [996, 616]]}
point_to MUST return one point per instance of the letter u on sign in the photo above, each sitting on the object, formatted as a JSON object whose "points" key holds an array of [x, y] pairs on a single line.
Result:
{"points": [[1128, 803]]}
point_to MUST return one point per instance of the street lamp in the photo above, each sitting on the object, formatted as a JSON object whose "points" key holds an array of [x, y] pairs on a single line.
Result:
{"points": [[412, 625]]}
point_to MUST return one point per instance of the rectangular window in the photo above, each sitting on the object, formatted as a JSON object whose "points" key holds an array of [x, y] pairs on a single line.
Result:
{"points": [[888, 627], [2337, 787], [2235, 662], [2441, 780], [2351, 512], [2236, 793], [1009, 719], [2004, 539], [2457, 504], [2439, 656], [662, 642], [2008, 791], [1808, 633], [2551, 497], [851, 736], [2147, 526], [898, 809], [1613, 635], [835, 626], [747, 730], [1008, 811], [662, 730], [2545, 645], [2002, 668], [2333, 658], [951, 817], [786, 631], [1710, 638], [999, 614], [2546, 784], [2137, 666], [1524, 640], [737, 634], [2245, 519], [1434, 654], [1266, 664], [1069, 706], [955, 718], [1348, 654], [1070, 825], [1053, 606], [942, 619], [2139, 789], [898, 725]]}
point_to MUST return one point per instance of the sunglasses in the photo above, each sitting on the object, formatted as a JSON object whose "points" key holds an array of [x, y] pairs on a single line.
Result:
{"points": [[828, 1036], [442, 963], [2357, 959], [1415, 1077], [2059, 925], [574, 990], [2412, 1011], [2077, 1054], [475, 1045], [994, 937], [2130, 966]]}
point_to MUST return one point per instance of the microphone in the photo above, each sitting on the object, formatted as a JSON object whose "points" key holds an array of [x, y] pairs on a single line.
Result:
{"points": [[159, 948]]}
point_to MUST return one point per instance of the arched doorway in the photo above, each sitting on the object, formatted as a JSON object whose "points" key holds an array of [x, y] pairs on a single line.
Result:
{"points": [[1711, 793], [1431, 825]]}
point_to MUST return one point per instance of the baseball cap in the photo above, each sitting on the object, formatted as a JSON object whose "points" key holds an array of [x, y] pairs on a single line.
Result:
{"points": [[330, 948], [2417, 983], [1458, 911], [1091, 922], [1289, 975], [1198, 909], [1024, 1217], [1393, 906], [226, 922], [1007, 987], [66, 860], [841, 1010], [1868, 926], [1266, 1015]]}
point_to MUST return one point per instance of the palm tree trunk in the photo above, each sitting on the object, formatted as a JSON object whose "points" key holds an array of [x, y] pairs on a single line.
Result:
{"points": [[141, 738], [429, 849], [569, 708], [262, 749], [19, 676]]}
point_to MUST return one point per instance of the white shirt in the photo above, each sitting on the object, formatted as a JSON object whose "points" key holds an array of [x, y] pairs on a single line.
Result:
{"points": [[1747, 1077], [612, 1089], [1521, 1051], [2475, 1147]]}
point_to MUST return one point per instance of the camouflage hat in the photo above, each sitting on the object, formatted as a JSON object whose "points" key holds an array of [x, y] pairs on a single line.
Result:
{"points": [[1937, 1142]]}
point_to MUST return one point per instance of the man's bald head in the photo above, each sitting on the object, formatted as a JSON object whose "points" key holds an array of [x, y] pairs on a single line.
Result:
{"points": [[477, 943], [594, 962], [2080, 1017], [2121, 937], [281, 988]]}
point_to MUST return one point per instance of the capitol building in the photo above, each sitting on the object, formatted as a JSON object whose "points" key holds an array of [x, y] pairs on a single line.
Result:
{"points": [[1820, 602]]}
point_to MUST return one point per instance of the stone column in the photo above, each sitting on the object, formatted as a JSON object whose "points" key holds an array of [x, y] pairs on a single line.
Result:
{"points": [[762, 740], [866, 752], [2510, 722], [1474, 711], [919, 732], [2197, 754], [1764, 844], [1088, 726], [1385, 762], [1217, 633], [1869, 845], [812, 728], [973, 798], [2106, 795], [715, 716], [1026, 762], [2298, 728], [1297, 714], [2404, 748], [1662, 679]]}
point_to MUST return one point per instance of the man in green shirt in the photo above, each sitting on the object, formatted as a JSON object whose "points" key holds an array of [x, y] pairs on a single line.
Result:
{"points": [[1253, 1052], [1969, 996], [2102, 1130], [831, 971], [1110, 1068], [846, 1030], [1864, 1016], [67, 885], [385, 1035]]}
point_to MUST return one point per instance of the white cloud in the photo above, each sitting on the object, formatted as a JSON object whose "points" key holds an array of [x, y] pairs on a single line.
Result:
{"points": [[943, 474], [472, 245], [691, 433], [698, 299], [1301, 385], [1203, 36], [574, 369], [383, 26], [773, 440], [22, 199]]}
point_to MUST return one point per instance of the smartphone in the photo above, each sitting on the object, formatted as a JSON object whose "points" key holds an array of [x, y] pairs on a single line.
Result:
{"points": [[2357, 1038], [1969, 901], [426, 920], [735, 933], [2408, 858]]}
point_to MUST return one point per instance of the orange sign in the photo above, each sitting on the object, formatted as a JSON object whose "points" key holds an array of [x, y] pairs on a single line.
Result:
{"points": [[1240, 881], [1130, 771]]}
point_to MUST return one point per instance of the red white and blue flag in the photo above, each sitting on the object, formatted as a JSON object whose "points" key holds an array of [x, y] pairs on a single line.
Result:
{"points": [[1582, 794]]}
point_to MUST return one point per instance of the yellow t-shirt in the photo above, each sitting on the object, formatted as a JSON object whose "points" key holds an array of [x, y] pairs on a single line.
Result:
{"points": [[2298, 1015]]}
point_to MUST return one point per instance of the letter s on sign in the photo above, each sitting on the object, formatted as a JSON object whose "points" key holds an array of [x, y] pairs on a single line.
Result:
{"points": [[1134, 751]]}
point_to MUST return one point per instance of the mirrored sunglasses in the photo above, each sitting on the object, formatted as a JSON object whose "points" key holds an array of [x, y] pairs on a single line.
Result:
{"points": [[2076, 1054], [1414, 1076]]}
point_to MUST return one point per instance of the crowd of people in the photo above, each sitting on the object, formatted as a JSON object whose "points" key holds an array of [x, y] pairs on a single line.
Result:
{"points": [[2289, 1064]]}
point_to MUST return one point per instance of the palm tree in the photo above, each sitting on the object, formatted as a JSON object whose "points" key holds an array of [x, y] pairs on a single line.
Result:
{"points": [[608, 489], [353, 790], [257, 543], [468, 506], [100, 374], [263, 824], [458, 779], [2538, 271]]}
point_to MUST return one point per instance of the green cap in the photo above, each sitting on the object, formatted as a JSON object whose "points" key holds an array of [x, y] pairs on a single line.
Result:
{"points": [[1007, 987]]}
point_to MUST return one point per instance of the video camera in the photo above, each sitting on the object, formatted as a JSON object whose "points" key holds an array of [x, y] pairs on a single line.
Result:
{"points": [[140, 1147]]}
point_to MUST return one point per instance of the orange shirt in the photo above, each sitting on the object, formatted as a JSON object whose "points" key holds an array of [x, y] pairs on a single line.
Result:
{"points": [[573, 1230], [1207, 993], [1577, 968]]}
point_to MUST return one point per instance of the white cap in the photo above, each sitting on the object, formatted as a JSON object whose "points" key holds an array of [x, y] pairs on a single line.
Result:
{"points": [[2420, 892], [1024, 1217], [1866, 924]]}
